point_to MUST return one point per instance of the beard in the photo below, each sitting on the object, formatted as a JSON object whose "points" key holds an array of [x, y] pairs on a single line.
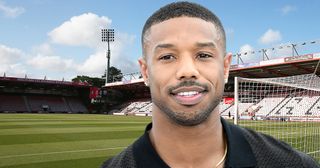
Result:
{"points": [[188, 117]]}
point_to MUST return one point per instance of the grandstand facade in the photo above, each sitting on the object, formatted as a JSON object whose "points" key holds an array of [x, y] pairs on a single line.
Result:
{"points": [[23, 95]]}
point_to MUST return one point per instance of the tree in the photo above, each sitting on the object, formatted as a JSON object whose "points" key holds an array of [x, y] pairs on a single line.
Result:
{"points": [[98, 82], [115, 74]]}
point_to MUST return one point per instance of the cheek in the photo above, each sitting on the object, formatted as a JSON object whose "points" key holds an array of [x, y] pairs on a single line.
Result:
{"points": [[213, 72], [159, 78], [214, 75]]}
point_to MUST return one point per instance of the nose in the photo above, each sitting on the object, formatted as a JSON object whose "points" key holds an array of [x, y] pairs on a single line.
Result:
{"points": [[187, 69]]}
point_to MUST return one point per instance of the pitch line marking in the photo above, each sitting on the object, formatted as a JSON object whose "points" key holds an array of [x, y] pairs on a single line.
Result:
{"points": [[313, 152], [50, 153]]}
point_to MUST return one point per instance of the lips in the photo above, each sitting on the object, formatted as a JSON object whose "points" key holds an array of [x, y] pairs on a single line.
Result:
{"points": [[188, 95]]}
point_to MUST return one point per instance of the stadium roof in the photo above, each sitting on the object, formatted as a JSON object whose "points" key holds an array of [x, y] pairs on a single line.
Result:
{"points": [[288, 66], [7, 80]]}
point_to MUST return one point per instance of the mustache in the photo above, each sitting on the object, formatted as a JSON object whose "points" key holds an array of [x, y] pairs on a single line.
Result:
{"points": [[188, 83]]}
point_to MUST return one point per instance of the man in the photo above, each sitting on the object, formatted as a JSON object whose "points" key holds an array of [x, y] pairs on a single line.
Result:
{"points": [[185, 64]]}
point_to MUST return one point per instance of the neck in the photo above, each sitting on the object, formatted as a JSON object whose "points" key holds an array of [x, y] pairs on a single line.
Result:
{"points": [[188, 146]]}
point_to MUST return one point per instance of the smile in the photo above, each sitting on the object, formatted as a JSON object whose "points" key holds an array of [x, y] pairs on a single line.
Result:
{"points": [[188, 95]]}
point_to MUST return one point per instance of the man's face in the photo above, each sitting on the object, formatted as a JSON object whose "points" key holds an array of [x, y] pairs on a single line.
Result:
{"points": [[185, 68]]}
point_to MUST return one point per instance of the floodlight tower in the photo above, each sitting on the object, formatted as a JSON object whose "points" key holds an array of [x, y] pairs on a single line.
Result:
{"points": [[107, 36]]}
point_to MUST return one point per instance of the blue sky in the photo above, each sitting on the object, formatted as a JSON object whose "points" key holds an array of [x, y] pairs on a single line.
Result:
{"points": [[61, 39]]}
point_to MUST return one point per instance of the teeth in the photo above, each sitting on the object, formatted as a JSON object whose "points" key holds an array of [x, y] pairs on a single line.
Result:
{"points": [[192, 93]]}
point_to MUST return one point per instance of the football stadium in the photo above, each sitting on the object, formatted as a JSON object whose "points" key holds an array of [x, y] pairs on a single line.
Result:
{"points": [[273, 85], [48, 123]]}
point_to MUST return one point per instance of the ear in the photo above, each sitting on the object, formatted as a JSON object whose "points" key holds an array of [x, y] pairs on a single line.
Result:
{"points": [[227, 62], [144, 70]]}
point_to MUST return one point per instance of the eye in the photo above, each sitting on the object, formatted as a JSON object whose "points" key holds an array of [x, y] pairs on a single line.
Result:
{"points": [[167, 57], [204, 56]]}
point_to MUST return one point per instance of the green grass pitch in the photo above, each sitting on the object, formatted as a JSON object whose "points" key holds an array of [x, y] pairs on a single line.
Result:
{"points": [[65, 140]]}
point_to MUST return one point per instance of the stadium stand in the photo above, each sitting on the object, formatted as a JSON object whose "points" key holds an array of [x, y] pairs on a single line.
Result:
{"points": [[296, 106], [267, 107], [224, 107], [12, 103], [138, 108], [25, 95], [76, 106], [226, 110], [146, 110], [268, 103], [315, 109], [229, 111], [47, 104], [276, 107]]}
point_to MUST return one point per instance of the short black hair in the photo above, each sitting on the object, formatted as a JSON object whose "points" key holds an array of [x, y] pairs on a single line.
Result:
{"points": [[179, 9]]}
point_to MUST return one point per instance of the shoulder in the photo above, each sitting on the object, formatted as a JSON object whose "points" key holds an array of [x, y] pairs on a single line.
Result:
{"points": [[270, 151], [124, 159]]}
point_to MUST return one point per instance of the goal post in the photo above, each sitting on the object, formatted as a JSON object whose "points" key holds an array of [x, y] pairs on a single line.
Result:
{"points": [[287, 108], [236, 101]]}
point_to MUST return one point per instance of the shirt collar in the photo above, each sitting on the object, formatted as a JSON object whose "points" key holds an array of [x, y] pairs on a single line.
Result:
{"points": [[239, 151], [144, 153]]}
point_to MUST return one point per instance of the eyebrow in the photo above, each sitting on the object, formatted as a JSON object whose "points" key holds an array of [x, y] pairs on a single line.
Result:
{"points": [[206, 44], [198, 44], [165, 45]]}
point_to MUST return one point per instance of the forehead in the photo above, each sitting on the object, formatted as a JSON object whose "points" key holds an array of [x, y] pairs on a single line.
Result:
{"points": [[181, 29]]}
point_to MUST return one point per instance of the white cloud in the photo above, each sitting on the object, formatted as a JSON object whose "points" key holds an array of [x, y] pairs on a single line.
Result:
{"points": [[9, 55], [129, 66], [16, 70], [248, 54], [122, 54], [85, 30], [82, 30], [53, 63], [11, 61], [94, 65], [246, 48], [270, 36], [43, 49], [11, 12], [287, 9]]}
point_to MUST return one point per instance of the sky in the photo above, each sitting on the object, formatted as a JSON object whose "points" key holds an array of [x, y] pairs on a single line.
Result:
{"points": [[56, 39]]}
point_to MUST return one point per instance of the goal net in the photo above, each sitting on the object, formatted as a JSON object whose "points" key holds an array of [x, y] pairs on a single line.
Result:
{"points": [[287, 108]]}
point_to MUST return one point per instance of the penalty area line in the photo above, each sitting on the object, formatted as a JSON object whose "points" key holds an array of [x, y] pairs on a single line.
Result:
{"points": [[313, 152], [61, 152]]}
